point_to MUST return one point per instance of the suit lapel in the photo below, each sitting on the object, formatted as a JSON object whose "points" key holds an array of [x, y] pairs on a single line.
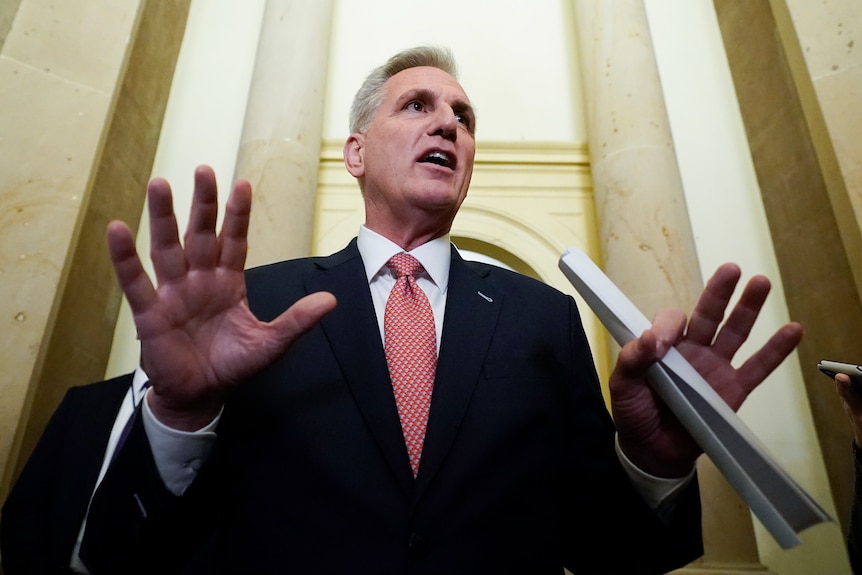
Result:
{"points": [[93, 410], [472, 309], [354, 335]]}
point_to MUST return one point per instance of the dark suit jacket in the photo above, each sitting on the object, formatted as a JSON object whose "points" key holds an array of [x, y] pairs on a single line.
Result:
{"points": [[44, 510], [854, 534], [518, 474]]}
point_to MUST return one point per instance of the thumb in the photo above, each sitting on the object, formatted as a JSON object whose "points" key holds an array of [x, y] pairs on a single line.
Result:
{"points": [[302, 316], [636, 356]]}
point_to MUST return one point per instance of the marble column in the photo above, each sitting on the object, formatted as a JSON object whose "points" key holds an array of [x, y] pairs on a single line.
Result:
{"points": [[797, 73], [823, 49], [280, 145], [82, 92], [647, 242], [829, 54]]}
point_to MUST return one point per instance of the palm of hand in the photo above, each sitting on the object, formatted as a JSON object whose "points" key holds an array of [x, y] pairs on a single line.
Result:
{"points": [[198, 336]]}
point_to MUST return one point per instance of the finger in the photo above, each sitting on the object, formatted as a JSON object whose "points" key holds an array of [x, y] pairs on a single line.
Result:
{"points": [[667, 328], [233, 238], [637, 356], [852, 401], [711, 305], [626, 382], [849, 392], [133, 280], [842, 386], [738, 326], [300, 317], [201, 249], [169, 262], [767, 358]]}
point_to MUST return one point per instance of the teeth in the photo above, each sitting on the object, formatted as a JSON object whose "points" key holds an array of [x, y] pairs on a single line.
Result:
{"points": [[438, 158]]}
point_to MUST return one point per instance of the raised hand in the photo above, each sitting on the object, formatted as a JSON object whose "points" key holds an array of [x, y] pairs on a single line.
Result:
{"points": [[649, 434], [851, 399], [198, 336]]}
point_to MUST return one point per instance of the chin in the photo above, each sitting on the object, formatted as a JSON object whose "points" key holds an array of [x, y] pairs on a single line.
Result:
{"points": [[441, 199]]}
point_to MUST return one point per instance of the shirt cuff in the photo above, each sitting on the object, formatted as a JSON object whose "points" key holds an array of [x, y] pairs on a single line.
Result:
{"points": [[656, 491], [179, 455]]}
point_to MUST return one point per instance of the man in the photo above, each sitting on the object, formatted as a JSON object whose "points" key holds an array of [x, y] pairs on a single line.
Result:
{"points": [[43, 517], [851, 399], [321, 459]]}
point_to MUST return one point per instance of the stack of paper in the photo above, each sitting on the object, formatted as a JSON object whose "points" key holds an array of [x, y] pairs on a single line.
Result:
{"points": [[782, 506]]}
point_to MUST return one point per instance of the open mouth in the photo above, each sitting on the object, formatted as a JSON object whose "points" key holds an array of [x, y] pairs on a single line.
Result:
{"points": [[439, 158]]}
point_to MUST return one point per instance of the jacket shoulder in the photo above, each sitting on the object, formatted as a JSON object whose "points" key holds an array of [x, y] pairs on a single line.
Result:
{"points": [[114, 387], [272, 288], [515, 281]]}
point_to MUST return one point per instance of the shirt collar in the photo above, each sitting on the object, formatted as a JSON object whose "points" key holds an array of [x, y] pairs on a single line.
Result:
{"points": [[140, 382], [435, 256]]}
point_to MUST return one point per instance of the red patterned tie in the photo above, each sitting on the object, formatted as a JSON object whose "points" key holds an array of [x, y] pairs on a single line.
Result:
{"points": [[411, 352]]}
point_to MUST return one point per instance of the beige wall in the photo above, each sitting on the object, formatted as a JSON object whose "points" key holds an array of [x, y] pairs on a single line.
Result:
{"points": [[61, 93], [521, 75], [830, 38], [82, 98], [8, 10]]}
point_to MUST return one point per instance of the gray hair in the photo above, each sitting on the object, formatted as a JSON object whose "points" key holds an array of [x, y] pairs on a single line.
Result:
{"points": [[371, 93]]}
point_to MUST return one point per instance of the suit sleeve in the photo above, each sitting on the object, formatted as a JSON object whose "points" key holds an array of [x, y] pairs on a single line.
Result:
{"points": [[610, 527], [133, 514], [854, 534], [25, 524]]}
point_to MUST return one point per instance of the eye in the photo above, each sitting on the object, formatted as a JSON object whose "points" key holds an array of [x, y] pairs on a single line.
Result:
{"points": [[415, 105], [465, 119]]}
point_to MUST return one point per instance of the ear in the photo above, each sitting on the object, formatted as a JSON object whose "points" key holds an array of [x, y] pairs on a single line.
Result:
{"points": [[354, 155]]}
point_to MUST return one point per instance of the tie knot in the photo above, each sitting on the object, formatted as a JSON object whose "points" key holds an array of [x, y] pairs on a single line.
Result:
{"points": [[404, 265]]}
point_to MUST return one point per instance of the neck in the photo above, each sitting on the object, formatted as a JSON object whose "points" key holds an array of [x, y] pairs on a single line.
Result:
{"points": [[408, 239]]}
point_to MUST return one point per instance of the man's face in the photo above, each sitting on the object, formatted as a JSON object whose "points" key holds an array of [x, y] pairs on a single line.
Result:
{"points": [[416, 158]]}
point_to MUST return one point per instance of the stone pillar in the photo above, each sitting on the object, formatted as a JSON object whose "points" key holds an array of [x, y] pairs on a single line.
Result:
{"points": [[823, 51], [82, 92], [825, 47], [797, 75], [647, 242], [280, 145]]}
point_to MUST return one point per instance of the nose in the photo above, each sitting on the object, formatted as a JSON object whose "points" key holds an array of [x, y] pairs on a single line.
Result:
{"points": [[445, 124]]}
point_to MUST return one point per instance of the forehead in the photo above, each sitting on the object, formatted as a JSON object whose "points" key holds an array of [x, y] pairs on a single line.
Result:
{"points": [[425, 78]]}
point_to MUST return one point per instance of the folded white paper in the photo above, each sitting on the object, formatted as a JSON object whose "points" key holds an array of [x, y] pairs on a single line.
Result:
{"points": [[782, 506]]}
